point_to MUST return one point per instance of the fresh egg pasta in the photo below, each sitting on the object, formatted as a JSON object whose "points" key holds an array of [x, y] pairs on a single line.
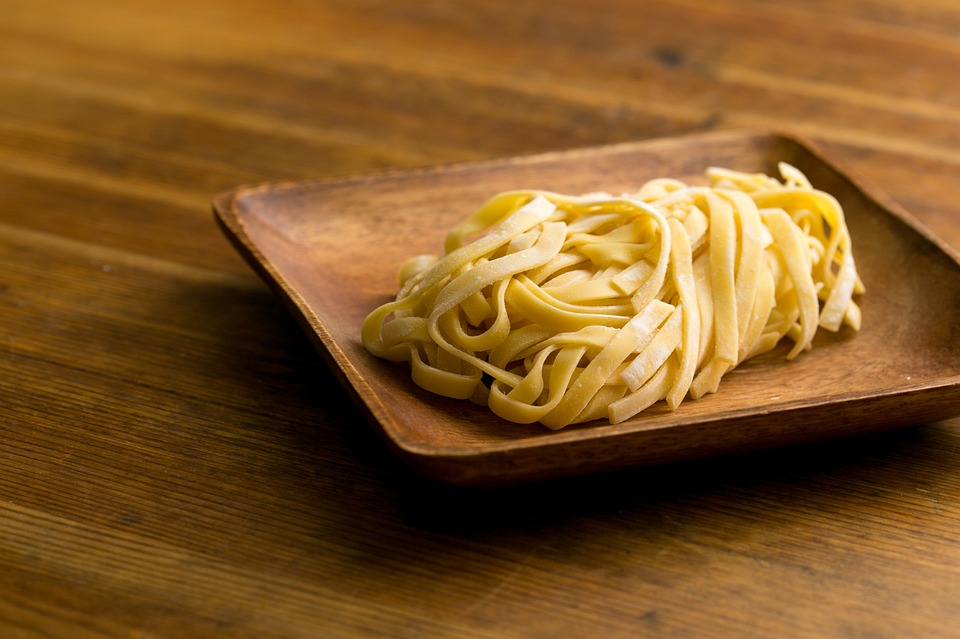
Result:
{"points": [[565, 309]]}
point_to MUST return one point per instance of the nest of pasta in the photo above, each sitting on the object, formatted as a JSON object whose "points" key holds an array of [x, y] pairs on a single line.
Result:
{"points": [[565, 309]]}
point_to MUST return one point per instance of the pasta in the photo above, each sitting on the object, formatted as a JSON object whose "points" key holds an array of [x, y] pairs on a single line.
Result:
{"points": [[565, 309]]}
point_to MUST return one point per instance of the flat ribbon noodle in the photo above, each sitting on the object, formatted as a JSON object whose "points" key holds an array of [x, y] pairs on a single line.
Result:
{"points": [[564, 309]]}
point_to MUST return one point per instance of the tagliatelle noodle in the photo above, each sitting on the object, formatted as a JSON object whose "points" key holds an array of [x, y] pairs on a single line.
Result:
{"points": [[565, 309]]}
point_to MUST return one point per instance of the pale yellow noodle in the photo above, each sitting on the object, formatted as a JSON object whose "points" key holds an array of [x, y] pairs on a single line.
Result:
{"points": [[564, 309]]}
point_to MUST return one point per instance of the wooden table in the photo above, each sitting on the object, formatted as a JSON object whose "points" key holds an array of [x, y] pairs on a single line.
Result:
{"points": [[170, 462]]}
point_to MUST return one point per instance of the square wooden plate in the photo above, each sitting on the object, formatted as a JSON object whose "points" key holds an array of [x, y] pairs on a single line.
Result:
{"points": [[330, 249]]}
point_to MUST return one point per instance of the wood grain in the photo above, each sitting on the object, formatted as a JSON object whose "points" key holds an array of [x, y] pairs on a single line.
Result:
{"points": [[172, 463]]}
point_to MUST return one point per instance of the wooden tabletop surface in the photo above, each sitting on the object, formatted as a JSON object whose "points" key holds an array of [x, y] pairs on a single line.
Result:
{"points": [[172, 461]]}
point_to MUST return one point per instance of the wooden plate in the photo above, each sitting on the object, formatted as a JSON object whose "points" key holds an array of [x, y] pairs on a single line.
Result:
{"points": [[330, 250]]}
